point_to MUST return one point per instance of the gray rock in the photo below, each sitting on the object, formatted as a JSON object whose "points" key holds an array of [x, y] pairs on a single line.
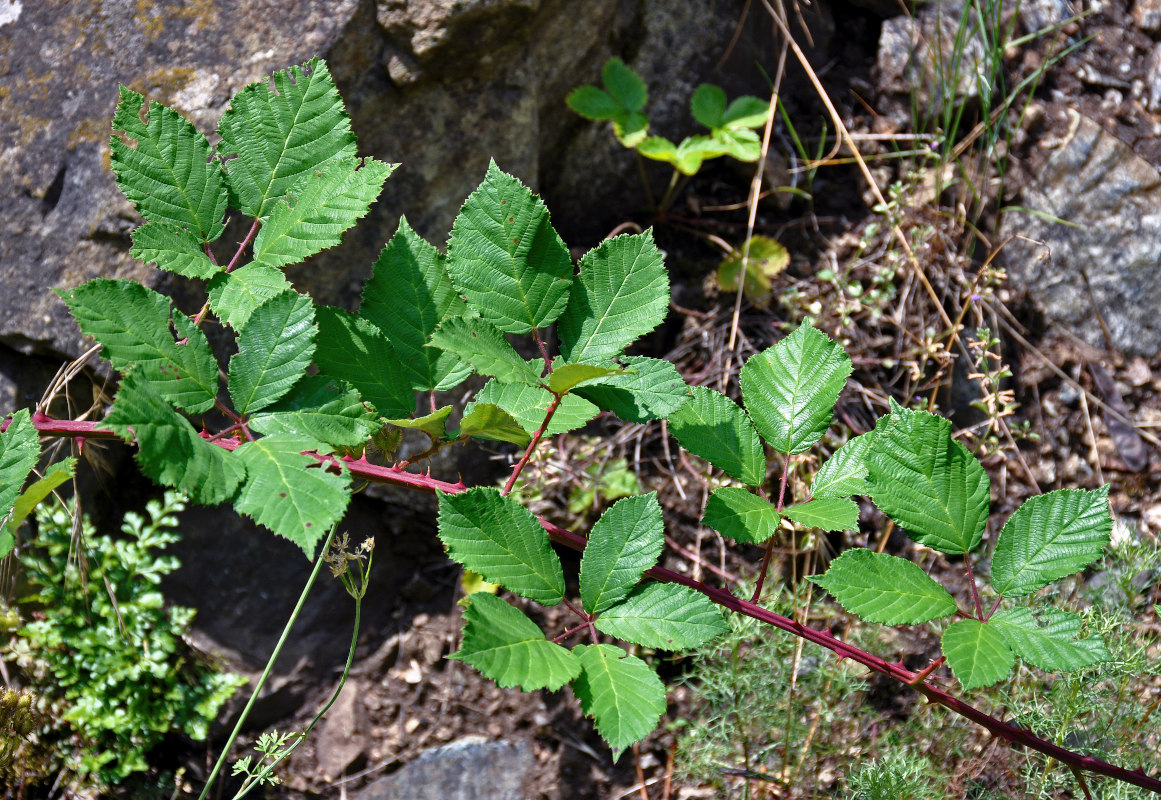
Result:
{"points": [[1147, 15], [1153, 77], [1111, 199], [1039, 15], [471, 768], [925, 54], [342, 736]]}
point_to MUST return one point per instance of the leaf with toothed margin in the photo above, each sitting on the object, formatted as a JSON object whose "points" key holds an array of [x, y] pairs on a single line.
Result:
{"points": [[351, 349], [169, 450], [235, 295], [433, 424], [274, 350], [483, 345], [625, 541], [741, 515], [506, 646], [827, 513], [505, 258], [567, 377], [1053, 646], [883, 588], [291, 493], [651, 388], [620, 692], [19, 451], [529, 405], [323, 409], [497, 537], [664, 616], [488, 421], [173, 248], [977, 653], [845, 472], [713, 427]]}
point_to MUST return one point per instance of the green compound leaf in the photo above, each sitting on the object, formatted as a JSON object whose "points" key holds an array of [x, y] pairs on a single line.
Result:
{"points": [[593, 103], [624, 85], [882, 588], [978, 654], [173, 248], [664, 616], [57, 473], [19, 451], [433, 424], [1050, 536], [133, 324], [291, 493], [505, 258], [827, 513], [625, 541], [529, 404], [274, 350], [927, 482], [488, 421], [482, 344], [170, 451], [658, 148], [408, 296], [163, 166], [322, 408], [620, 294], [351, 349], [235, 295], [280, 135], [746, 111], [620, 692], [318, 209], [501, 539], [1053, 647], [713, 427], [504, 645], [845, 472], [744, 145], [708, 105], [790, 389], [741, 515], [651, 389], [566, 377]]}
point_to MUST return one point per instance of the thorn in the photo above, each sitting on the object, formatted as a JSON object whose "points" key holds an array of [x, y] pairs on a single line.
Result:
{"points": [[80, 444]]}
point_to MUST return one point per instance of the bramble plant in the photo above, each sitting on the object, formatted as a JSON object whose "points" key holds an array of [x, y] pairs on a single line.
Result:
{"points": [[293, 438]]}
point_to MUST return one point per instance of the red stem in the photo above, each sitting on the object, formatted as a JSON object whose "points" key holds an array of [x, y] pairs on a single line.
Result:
{"points": [[770, 544], [1009, 733], [532, 445], [967, 562]]}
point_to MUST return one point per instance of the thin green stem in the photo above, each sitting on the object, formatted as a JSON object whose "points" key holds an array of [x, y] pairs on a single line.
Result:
{"points": [[256, 780], [269, 666]]}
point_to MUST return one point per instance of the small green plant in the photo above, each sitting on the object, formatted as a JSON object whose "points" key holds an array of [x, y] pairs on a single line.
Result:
{"points": [[112, 665], [622, 102], [311, 387]]}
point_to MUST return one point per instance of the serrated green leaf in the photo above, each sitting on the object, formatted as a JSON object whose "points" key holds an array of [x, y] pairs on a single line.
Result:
{"points": [[927, 482], [883, 588], [433, 424], [651, 389], [488, 421], [742, 144], [316, 211], [713, 427], [504, 645], [170, 451], [630, 128], [746, 111], [291, 493], [351, 349], [1053, 647], [529, 405], [321, 408], [625, 541], [408, 296], [235, 295], [56, 474], [173, 248], [133, 325], [978, 654], [845, 472], [274, 350], [505, 258], [593, 103], [620, 294], [19, 451], [482, 344], [280, 135], [827, 513], [790, 389], [502, 540], [163, 166], [566, 377], [624, 85], [1050, 536], [664, 616], [741, 515], [708, 104], [620, 692]]}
